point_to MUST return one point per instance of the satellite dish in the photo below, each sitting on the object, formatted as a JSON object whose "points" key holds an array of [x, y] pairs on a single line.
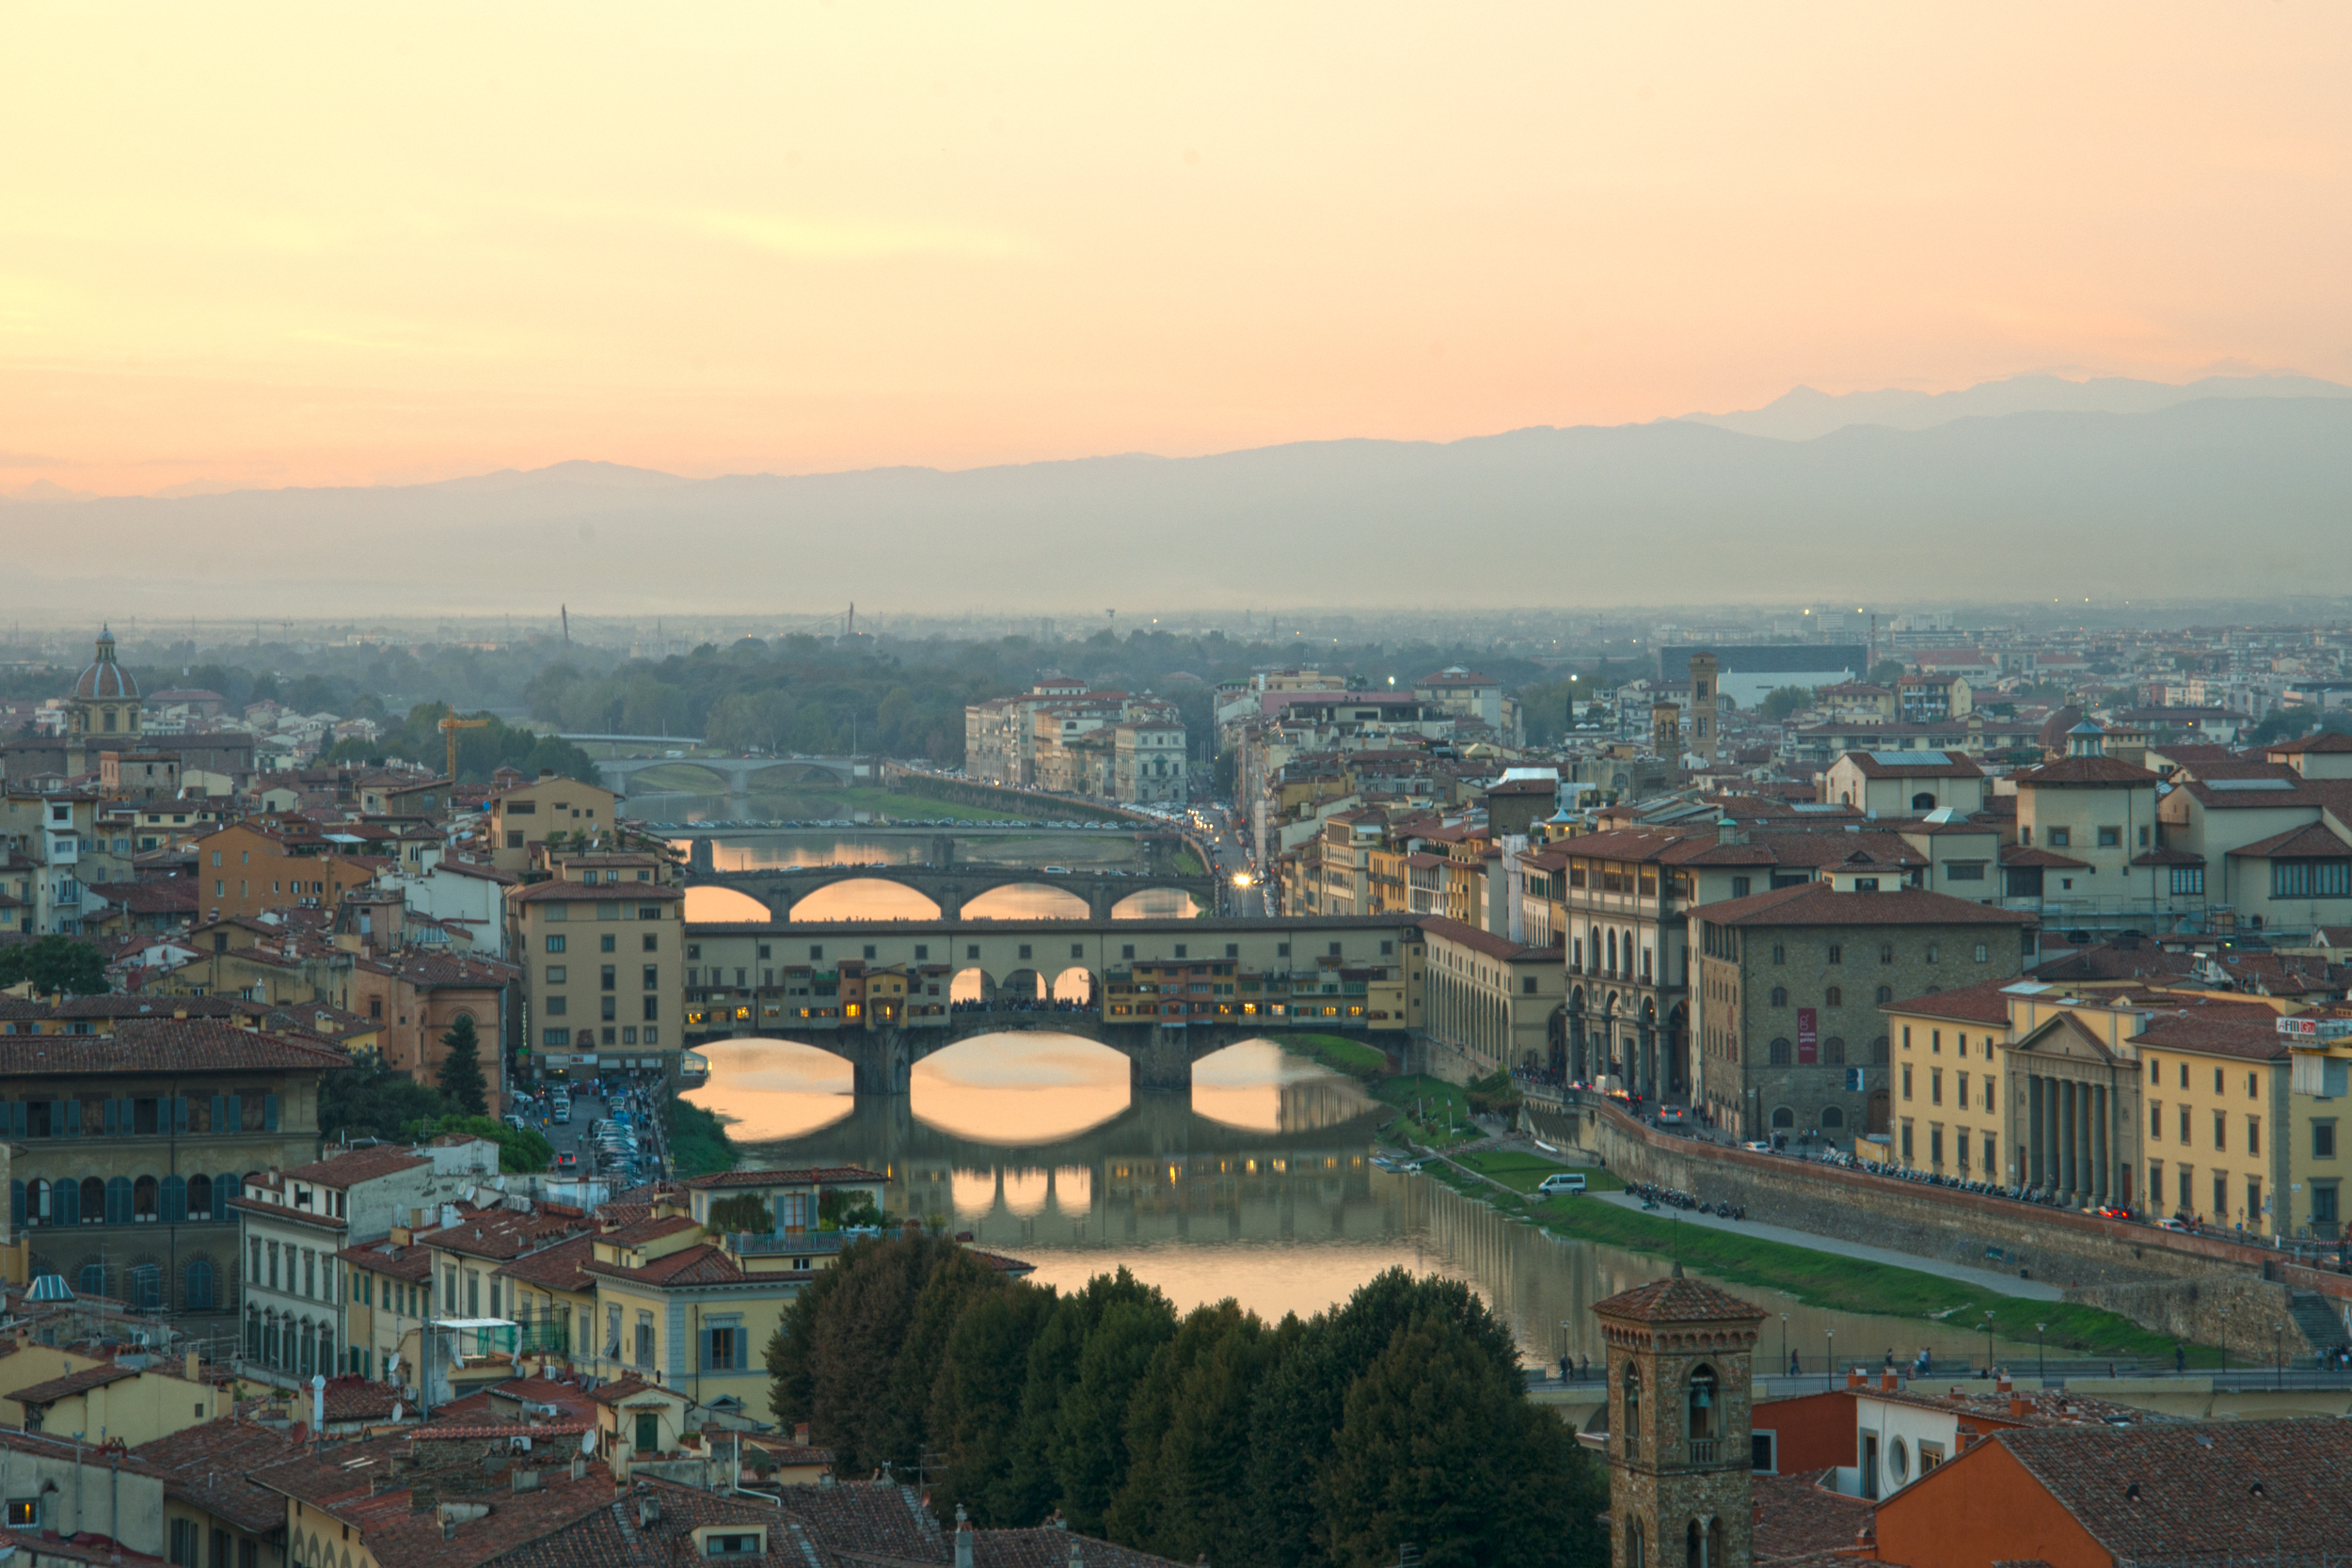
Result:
{"points": [[392, 1368], [588, 1442]]}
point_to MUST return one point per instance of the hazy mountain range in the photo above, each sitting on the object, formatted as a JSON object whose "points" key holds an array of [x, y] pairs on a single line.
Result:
{"points": [[2016, 489]]}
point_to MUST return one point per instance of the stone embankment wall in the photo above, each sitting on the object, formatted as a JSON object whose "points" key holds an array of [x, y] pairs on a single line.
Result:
{"points": [[2200, 1287]]}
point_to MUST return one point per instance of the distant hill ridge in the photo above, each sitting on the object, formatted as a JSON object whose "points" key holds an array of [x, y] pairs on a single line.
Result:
{"points": [[2234, 493]]}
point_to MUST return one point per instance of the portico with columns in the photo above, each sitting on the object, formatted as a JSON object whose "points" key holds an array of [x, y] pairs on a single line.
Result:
{"points": [[2072, 1110]]}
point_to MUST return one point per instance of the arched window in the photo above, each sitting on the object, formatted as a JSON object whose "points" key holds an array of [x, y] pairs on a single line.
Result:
{"points": [[1924, 800], [1780, 1052], [1635, 1557], [1834, 997], [175, 1199], [1833, 1051], [93, 1280], [37, 1200], [1702, 1403], [1780, 996], [146, 1199], [253, 1334], [1877, 1051], [117, 1200], [200, 1196], [1833, 1116], [1783, 1117], [93, 1201], [1886, 994], [147, 1288], [196, 1296], [1633, 1444]]}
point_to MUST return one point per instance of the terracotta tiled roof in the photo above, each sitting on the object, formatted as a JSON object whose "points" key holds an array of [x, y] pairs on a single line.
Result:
{"points": [[160, 1046], [205, 1466], [2021, 854], [561, 1267], [2213, 1029], [1985, 1002], [572, 893], [2085, 771], [1818, 904], [1464, 935], [2171, 1490], [1897, 764], [704, 1264], [360, 1164], [1797, 1514], [621, 1390], [813, 1177], [1677, 1300], [72, 1384], [2307, 842]]}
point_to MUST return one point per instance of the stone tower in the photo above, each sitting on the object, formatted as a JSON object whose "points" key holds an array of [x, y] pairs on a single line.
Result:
{"points": [[1679, 1478], [1665, 730], [1706, 733]]}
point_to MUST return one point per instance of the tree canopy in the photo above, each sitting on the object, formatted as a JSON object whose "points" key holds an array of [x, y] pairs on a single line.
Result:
{"points": [[53, 964], [1399, 1418], [460, 1072]]}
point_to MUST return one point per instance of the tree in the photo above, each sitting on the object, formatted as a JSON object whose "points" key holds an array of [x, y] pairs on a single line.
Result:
{"points": [[460, 1072], [2285, 723], [744, 1212], [1886, 671], [958, 1281], [54, 964], [371, 1100], [521, 1151], [1439, 1446], [1056, 1360], [1188, 1439], [981, 1376], [1782, 701], [1091, 1429]]}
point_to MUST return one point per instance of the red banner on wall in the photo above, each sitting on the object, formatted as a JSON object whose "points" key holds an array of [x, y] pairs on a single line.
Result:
{"points": [[1808, 1037]]}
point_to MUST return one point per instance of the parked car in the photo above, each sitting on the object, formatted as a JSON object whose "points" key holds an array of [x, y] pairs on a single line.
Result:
{"points": [[567, 1163], [1562, 1181], [2169, 1223]]}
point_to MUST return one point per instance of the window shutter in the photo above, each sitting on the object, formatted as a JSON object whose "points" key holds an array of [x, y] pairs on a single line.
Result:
{"points": [[66, 1199], [180, 1112], [220, 1114], [175, 1198], [113, 1120], [119, 1200], [70, 1112], [16, 1205], [269, 1112], [17, 1113]]}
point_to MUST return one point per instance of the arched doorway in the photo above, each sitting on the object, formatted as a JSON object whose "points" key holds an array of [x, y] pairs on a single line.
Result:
{"points": [[1074, 989], [1649, 1049], [1677, 1051]]}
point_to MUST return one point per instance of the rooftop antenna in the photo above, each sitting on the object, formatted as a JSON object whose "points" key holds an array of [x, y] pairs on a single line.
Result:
{"points": [[566, 610], [852, 631]]}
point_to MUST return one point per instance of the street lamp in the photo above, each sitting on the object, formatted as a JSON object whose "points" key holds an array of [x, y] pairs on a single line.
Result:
{"points": [[1784, 1339], [1829, 1356], [2278, 1352], [2040, 1367], [1988, 1342]]}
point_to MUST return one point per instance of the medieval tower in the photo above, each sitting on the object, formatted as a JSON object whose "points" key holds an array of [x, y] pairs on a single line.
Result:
{"points": [[1679, 1476]]}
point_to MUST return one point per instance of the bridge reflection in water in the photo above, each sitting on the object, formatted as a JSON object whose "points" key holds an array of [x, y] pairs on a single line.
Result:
{"points": [[1257, 1185]]}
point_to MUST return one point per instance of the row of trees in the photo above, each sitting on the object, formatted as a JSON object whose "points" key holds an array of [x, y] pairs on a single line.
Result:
{"points": [[1400, 1417], [479, 752]]}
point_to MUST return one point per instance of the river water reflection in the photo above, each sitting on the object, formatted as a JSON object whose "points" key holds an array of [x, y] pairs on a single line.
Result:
{"points": [[1259, 1185]]}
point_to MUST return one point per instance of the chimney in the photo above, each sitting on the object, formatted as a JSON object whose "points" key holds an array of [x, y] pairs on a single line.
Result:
{"points": [[2002, 1384], [1886, 1381], [2019, 1406], [963, 1538], [195, 1365], [648, 1510], [1853, 1378]]}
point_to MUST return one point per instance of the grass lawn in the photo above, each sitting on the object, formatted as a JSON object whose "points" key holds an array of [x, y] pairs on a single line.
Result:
{"points": [[1431, 1111], [1521, 1172], [1829, 1280], [1352, 1057]]}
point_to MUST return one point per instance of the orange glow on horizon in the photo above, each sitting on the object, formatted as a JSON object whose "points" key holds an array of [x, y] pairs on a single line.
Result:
{"points": [[270, 244]]}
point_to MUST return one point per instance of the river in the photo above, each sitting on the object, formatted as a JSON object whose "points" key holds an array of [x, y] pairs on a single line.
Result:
{"points": [[1258, 1184]]}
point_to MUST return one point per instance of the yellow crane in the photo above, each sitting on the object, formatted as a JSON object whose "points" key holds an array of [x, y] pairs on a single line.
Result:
{"points": [[451, 724]]}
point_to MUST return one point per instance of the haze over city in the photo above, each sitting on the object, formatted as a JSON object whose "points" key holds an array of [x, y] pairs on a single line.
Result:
{"points": [[1061, 785]]}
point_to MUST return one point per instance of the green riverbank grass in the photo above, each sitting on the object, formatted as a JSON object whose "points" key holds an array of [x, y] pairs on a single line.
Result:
{"points": [[1352, 1057], [1520, 1172], [1826, 1279], [1430, 1111], [699, 1145]]}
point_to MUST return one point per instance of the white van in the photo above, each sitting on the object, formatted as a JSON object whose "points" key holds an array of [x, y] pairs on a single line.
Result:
{"points": [[1562, 1181]]}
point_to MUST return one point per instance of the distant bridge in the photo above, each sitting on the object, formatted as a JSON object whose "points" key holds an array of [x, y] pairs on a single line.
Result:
{"points": [[737, 773], [950, 887]]}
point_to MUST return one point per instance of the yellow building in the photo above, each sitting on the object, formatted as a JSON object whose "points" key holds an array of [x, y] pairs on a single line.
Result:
{"points": [[603, 974], [134, 1397], [522, 820]]}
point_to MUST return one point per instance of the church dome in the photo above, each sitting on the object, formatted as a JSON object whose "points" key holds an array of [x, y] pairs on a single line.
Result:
{"points": [[105, 680]]}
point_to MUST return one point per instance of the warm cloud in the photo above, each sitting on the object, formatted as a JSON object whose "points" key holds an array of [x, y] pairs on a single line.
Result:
{"points": [[324, 245]]}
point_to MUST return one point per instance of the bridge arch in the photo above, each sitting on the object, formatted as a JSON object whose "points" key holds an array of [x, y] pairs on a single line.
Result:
{"points": [[1031, 898], [863, 887], [1160, 902]]}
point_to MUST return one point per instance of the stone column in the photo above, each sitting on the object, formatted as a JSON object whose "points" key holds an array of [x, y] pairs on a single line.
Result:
{"points": [[2098, 1141], [2029, 1141], [2066, 1139]]}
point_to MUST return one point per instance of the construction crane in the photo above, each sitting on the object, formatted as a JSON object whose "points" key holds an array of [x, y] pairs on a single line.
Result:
{"points": [[451, 724]]}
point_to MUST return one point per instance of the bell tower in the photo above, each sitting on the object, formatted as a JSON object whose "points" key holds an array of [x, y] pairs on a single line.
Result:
{"points": [[1665, 730], [1705, 733], [1679, 1476]]}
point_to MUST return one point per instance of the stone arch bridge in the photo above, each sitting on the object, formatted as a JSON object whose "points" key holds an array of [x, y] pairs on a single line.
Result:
{"points": [[950, 887], [737, 773], [739, 984]]}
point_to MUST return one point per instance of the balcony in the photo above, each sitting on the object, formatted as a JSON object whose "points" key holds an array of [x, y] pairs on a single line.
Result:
{"points": [[1705, 1451]]}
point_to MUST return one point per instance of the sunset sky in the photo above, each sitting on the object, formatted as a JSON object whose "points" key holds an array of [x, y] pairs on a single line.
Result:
{"points": [[313, 245]]}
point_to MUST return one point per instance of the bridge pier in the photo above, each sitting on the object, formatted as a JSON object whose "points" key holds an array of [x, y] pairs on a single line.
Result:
{"points": [[1160, 1059], [881, 1061], [701, 860]]}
